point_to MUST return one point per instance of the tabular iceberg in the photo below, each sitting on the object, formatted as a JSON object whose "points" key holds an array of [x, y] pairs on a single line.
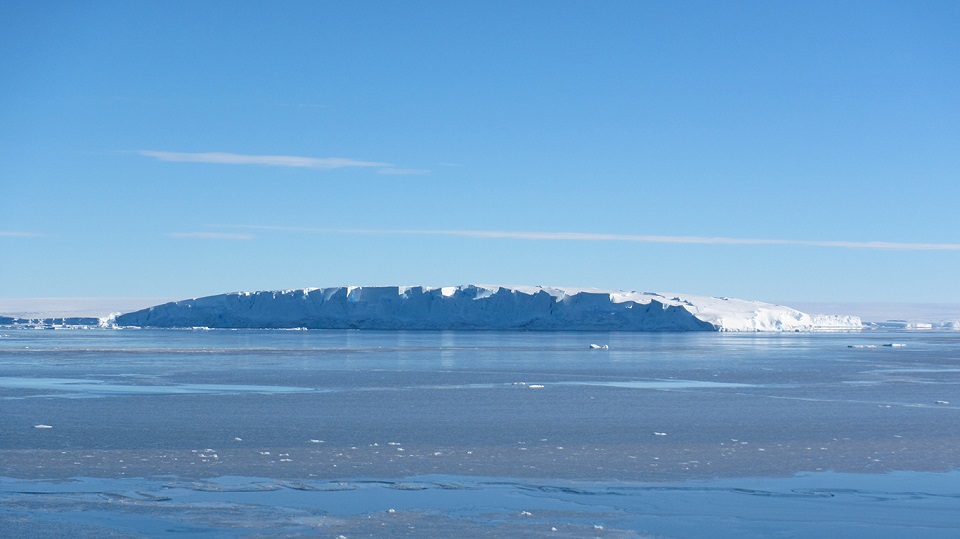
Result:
{"points": [[479, 307]]}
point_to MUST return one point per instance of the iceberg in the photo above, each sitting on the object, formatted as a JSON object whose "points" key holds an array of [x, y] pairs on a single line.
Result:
{"points": [[479, 307]]}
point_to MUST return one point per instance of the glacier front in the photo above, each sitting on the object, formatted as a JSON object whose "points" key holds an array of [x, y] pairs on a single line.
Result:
{"points": [[479, 307]]}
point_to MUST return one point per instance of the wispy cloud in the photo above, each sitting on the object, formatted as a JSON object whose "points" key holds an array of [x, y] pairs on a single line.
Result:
{"points": [[635, 238], [402, 171], [705, 240], [18, 234], [222, 158], [211, 235]]}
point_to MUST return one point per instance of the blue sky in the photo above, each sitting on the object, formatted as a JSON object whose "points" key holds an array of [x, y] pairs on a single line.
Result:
{"points": [[805, 151]]}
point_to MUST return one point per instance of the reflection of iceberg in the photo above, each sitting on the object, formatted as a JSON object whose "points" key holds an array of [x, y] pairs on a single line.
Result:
{"points": [[480, 307]]}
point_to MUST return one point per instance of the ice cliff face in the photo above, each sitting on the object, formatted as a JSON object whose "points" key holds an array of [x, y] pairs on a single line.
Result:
{"points": [[479, 307]]}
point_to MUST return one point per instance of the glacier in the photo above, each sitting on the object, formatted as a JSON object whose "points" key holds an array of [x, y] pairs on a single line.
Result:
{"points": [[479, 307]]}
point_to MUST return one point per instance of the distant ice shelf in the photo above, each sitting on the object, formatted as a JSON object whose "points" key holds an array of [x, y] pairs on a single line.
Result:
{"points": [[480, 307], [916, 325]]}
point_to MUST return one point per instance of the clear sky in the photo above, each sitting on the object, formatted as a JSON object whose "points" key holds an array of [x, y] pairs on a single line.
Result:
{"points": [[778, 151]]}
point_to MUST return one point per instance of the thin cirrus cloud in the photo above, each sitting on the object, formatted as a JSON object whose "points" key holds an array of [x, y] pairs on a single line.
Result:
{"points": [[293, 161], [635, 238], [402, 171], [211, 235]]}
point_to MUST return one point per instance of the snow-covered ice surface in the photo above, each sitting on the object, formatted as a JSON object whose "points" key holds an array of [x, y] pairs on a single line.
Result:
{"points": [[478, 434], [481, 307], [41, 308], [880, 315]]}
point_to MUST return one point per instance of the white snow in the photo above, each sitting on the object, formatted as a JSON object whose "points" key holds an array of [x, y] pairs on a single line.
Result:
{"points": [[481, 307]]}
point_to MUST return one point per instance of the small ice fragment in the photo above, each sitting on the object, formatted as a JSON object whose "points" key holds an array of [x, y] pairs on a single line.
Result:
{"points": [[535, 386], [235, 439], [943, 402], [42, 427], [526, 514], [659, 433], [316, 441], [896, 345], [599, 346], [597, 527], [391, 511]]}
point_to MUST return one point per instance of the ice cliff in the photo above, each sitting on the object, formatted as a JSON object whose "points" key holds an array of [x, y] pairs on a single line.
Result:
{"points": [[479, 307]]}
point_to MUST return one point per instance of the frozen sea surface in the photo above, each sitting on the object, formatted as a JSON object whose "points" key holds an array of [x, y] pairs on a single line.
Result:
{"points": [[228, 433]]}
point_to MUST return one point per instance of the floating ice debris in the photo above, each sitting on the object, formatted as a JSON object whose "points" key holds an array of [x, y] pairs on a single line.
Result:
{"points": [[597, 527], [535, 386], [42, 427], [526, 514], [896, 345], [600, 347], [660, 433], [316, 441], [391, 511], [237, 439], [861, 346], [943, 402]]}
